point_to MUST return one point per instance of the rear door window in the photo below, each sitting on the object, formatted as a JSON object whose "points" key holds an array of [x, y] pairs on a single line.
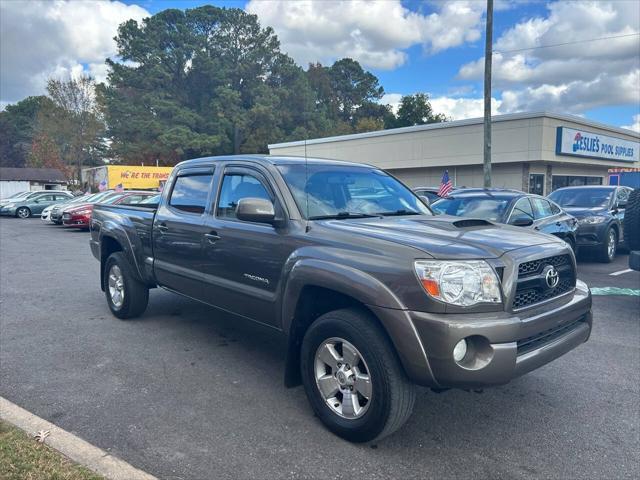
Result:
{"points": [[190, 192], [541, 208]]}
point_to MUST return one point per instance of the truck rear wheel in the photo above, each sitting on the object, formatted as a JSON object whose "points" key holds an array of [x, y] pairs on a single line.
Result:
{"points": [[127, 297], [632, 221], [353, 378]]}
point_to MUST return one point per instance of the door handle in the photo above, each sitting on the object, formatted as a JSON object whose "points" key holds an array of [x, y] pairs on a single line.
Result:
{"points": [[163, 228], [536, 228], [212, 237], [558, 224]]}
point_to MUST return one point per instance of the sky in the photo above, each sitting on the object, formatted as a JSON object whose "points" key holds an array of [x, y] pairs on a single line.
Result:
{"points": [[577, 57]]}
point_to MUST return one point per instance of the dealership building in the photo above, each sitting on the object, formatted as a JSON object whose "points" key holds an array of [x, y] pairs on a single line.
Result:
{"points": [[533, 152]]}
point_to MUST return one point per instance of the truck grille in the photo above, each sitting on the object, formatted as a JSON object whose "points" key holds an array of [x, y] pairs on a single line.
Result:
{"points": [[532, 283], [540, 339]]}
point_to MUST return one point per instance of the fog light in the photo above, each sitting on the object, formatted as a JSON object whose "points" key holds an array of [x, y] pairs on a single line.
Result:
{"points": [[460, 350]]}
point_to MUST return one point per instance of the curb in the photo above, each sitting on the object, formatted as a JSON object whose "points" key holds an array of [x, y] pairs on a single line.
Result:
{"points": [[71, 446]]}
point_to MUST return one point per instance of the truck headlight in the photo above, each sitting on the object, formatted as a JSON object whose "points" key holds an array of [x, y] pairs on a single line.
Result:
{"points": [[462, 283], [592, 220]]}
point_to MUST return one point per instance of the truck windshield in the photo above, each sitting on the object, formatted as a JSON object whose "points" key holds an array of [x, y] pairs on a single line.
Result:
{"points": [[582, 197], [477, 207], [325, 191]]}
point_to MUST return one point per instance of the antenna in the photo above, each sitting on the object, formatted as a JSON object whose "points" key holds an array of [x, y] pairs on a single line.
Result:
{"points": [[306, 183]]}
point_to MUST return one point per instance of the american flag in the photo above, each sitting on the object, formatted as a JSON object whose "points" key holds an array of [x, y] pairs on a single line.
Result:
{"points": [[102, 186], [445, 185], [119, 188]]}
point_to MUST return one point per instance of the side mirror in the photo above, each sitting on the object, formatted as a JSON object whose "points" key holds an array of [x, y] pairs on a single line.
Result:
{"points": [[522, 222], [425, 200], [256, 210]]}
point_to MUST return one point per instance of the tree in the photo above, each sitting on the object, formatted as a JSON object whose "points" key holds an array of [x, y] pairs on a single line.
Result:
{"points": [[17, 129], [416, 110], [73, 121]]}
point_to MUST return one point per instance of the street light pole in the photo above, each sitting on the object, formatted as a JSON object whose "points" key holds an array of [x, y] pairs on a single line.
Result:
{"points": [[487, 95]]}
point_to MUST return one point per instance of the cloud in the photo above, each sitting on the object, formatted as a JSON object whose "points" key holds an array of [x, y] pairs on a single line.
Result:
{"points": [[42, 39], [635, 126], [373, 33], [572, 77], [455, 108]]}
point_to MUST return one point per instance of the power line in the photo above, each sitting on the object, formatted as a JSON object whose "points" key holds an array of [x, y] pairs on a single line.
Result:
{"points": [[567, 43]]}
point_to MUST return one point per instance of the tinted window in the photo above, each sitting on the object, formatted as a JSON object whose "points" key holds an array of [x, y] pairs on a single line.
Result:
{"points": [[582, 197], [555, 209], [190, 193], [329, 190], [476, 207], [541, 208], [521, 211], [623, 195], [44, 198], [236, 186]]}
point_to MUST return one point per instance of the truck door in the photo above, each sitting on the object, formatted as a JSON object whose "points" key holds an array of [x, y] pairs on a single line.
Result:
{"points": [[178, 232], [244, 260]]}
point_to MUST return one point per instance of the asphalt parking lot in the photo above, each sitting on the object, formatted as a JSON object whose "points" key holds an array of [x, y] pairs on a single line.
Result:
{"points": [[186, 392]]}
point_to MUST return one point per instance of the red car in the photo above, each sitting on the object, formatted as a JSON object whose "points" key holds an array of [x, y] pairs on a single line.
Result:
{"points": [[79, 216]]}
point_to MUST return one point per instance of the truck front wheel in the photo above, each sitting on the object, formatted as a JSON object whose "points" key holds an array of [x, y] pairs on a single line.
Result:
{"points": [[127, 297], [353, 378]]}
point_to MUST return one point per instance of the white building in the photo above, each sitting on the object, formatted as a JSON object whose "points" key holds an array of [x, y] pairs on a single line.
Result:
{"points": [[15, 180], [534, 152]]}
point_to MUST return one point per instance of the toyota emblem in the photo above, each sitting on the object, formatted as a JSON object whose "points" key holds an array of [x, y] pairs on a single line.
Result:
{"points": [[551, 276]]}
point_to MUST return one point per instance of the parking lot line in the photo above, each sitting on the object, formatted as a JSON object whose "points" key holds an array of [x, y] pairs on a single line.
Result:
{"points": [[615, 291], [71, 446], [620, 272]]}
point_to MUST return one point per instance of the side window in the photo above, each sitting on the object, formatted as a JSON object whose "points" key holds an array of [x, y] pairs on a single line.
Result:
{"points": [[521, 210], [555, 209], [541, 208], [236, 186], [190, 193], [623, 195], [133, 199], [44, 198]]}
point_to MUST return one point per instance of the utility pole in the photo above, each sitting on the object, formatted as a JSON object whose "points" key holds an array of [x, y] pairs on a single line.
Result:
{"points": [[487, 95]]}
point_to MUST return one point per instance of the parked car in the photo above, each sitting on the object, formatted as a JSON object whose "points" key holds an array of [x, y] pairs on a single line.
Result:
{"points": [[78, 216], [430, 192], [24, 195], [512, 207], [34, 203], [372, 294], [58, 210], [47, 213], [600, 214]]}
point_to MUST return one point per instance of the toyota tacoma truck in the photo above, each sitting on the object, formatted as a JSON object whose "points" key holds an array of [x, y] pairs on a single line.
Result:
{"points": [[373, 292]]}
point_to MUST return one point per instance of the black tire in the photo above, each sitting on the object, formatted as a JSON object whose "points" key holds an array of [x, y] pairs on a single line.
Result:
{"points": [[392, 397], [136, 294], [604, 254], [632, 221], [23, 212]]}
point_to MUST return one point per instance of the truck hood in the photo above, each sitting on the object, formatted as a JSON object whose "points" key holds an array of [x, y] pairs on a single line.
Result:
{"points": [[444, 236]]}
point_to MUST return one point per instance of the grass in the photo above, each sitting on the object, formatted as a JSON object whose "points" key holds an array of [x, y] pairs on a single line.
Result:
{"points": [[23, 458]]}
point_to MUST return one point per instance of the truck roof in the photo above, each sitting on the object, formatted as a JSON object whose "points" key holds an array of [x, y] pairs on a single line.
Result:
{"points": [[271, 160]]}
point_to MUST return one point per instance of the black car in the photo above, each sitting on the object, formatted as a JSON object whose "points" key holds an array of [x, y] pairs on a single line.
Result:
{"points": [[512, 207], [600, 213]]}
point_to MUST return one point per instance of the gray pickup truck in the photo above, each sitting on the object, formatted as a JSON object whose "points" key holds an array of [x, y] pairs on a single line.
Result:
{"points": [[372, 291]]}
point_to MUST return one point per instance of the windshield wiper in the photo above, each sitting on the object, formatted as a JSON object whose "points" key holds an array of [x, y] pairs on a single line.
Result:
{"points": [[342, 215], [400, 212]]}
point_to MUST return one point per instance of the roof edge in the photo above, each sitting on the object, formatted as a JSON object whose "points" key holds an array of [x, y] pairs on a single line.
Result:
{"points": [[456, 123]]}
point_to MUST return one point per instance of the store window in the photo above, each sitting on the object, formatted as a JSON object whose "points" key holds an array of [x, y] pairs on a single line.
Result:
{"points": [[536, 183], [561, 181]]}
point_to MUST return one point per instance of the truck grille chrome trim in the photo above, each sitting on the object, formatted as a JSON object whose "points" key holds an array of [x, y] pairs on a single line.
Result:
{"points": [[533, 289]]}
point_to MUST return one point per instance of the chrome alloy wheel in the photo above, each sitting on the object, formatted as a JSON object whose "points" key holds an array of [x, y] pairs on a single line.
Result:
{"points": [[23, 213], [611, 244], [116, 286], [342, 377]]}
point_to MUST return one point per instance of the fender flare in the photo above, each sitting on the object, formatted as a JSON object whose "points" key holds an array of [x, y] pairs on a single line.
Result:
{"points": [[116, 233], [370, 292]]}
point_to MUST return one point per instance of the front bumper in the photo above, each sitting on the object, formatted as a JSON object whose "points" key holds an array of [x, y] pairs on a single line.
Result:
{"points": [[10, 212], [592, 235], [503, 345]]}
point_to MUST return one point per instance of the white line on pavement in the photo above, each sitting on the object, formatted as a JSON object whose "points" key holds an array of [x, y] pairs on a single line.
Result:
{"points": [[620, 272], [71, 446]]}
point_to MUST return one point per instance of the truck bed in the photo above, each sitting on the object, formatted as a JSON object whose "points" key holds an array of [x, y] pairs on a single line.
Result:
{"points": [[131, 226]]}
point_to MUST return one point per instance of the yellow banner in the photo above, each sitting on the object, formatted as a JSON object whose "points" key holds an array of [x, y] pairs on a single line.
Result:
{"points": [[135, 177]]}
